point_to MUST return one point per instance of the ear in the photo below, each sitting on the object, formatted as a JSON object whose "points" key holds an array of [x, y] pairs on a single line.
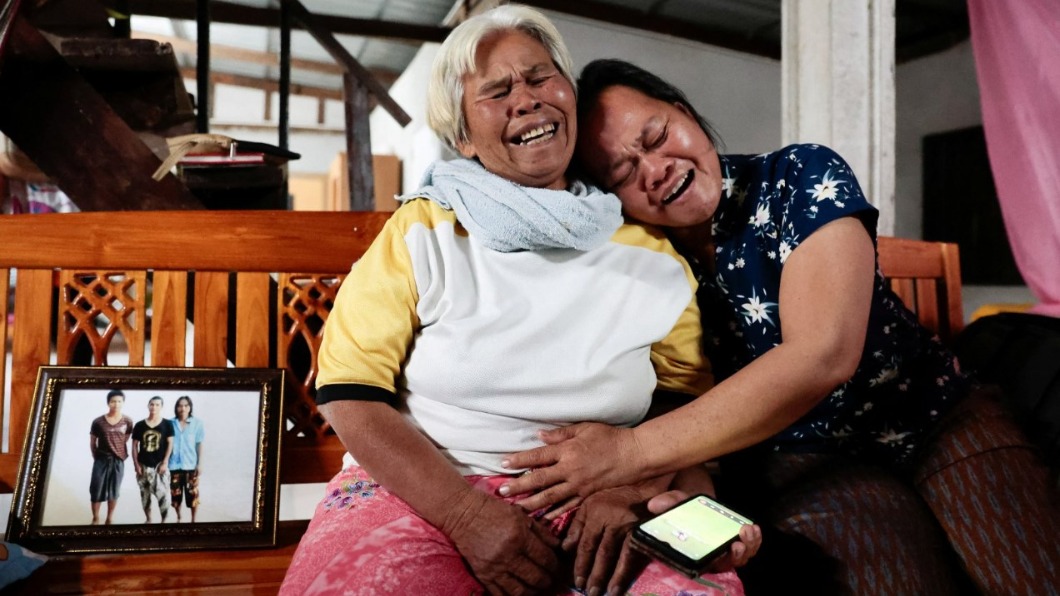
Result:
{"points": [[466, 149]]}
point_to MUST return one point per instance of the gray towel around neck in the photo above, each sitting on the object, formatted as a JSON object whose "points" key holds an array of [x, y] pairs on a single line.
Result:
{"points": [[509, 217]]}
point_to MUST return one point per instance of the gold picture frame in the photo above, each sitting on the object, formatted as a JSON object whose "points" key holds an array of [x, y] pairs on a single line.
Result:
{"points": [[239, 411]]}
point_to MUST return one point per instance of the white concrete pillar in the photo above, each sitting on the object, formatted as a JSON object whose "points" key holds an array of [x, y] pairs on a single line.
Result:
{"points": [[837, 78]]}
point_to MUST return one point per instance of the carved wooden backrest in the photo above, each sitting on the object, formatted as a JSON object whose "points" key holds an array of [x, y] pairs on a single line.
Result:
{"points": [[243, 288], [927, 277]]}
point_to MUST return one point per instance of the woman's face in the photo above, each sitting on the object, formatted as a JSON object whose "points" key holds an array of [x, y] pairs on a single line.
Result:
{"points": [[653, 155], [520, 112]]}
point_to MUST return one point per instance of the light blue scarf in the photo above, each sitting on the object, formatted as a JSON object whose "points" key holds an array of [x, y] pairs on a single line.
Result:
{"points": [[509, 217]]}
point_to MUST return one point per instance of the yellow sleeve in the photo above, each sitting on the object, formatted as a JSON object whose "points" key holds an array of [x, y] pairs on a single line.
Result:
{"points": [[370, 328], [679, 362]]}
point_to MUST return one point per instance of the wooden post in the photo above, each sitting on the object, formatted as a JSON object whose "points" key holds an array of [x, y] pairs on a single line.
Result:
{"points": [[358, 145]]}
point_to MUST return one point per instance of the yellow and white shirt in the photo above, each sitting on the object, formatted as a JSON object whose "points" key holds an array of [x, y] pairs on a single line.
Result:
{"points": [[480, 349]]}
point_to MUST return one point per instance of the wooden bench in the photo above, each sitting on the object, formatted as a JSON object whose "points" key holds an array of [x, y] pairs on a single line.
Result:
{"points": [[250, 288], [927, 277]]}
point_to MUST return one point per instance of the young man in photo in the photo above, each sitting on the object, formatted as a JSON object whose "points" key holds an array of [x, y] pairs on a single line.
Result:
{"points": [[152, 442], [109, 441]]}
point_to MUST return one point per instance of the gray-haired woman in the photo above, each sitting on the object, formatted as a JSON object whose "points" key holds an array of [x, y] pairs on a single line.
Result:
{"points": [[476, 315]]}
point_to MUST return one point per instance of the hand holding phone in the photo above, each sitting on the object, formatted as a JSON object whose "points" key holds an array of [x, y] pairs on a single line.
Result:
{"points": [[691, 535]]}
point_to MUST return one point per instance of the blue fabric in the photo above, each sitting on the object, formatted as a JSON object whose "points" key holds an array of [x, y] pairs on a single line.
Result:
{"points": [[508, 217], [185, 456], [17, 563], [771, 203]]}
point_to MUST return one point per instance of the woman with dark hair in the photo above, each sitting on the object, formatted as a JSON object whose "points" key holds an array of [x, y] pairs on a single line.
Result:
{"points": [[440, 354], [838, 417], [185, 463]]}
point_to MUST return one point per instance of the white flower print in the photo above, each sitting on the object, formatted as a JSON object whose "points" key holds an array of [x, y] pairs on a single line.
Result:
{"points": [[842, 433], [785, 250], [740, 263], [827, 189], [886, 375], [726, 185], [761, 217], [889, 437], [772, 255], [757, 311]]}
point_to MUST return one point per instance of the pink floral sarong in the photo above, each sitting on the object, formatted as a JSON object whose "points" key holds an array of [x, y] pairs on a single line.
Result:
{"points": [[364, 540]]}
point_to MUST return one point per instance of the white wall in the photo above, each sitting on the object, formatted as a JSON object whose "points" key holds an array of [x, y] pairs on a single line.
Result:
{"points": [[933, 94], [738, 93]]}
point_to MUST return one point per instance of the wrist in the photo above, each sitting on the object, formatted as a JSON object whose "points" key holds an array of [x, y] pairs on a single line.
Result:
{"points": [[637, 456], [458, 511]]}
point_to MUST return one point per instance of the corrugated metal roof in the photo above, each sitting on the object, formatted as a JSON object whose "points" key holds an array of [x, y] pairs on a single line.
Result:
{"points": [[747, 25]]}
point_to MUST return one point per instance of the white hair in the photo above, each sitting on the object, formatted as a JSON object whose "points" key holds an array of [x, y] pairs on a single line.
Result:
{"points": [[456, 59]]}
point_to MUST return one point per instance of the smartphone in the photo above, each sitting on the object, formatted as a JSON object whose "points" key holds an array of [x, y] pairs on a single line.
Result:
{"points": [[690, 535]]}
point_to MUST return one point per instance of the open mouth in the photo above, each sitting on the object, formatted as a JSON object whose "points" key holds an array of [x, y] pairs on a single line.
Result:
{"points": [[682, 185], [536, 135]]}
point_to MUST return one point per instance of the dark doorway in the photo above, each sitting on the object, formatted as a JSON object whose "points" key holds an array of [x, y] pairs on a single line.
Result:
{"points": [[960, 205]]}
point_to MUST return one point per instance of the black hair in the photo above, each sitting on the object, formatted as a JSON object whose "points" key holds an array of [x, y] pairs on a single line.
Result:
{"points": [[598, 75], [115, 392], [191, 406], [159, 398]]}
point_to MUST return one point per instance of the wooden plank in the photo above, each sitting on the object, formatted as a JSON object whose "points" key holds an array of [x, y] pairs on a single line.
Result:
{"points": [[191, 240], [134, 326], [310, 461], [906, 290], [37, 85], [30, 347], [211, 319], [181, 44], [358, 146], [5, 289], [951, 287], [903, 257], [252, 319], [169, 308], [253, 571], [927, 305], [242, 14]]}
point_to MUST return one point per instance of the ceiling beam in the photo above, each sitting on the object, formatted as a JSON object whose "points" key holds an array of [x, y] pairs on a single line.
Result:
{"points": [[618, 15], [265, 84], [188, 46], [239, 14]]}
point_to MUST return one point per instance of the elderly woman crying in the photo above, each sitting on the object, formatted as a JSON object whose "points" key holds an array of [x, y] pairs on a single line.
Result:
{"points": [[500, 299]]}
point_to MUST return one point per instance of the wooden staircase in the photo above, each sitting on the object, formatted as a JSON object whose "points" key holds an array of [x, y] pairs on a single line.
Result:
{"points": [[52, 108]]}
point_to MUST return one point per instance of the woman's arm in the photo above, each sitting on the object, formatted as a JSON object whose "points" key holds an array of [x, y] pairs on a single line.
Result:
{"points": [[825, 295], [504, 547]]}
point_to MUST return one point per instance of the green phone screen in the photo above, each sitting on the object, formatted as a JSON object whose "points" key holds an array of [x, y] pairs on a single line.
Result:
{"points": [[695, 528]]}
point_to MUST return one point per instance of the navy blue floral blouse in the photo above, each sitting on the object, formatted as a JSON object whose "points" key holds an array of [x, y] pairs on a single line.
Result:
{"points": [[906, 379]]}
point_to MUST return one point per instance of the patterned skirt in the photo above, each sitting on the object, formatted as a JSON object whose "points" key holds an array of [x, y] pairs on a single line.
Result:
{"points": [[364, 540]]}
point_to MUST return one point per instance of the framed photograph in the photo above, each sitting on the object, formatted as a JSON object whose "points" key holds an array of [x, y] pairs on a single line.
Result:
{"points": [[127, 459]]}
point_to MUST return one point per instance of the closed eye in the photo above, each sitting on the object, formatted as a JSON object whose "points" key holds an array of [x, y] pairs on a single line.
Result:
{"points": [[621, 175]]}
